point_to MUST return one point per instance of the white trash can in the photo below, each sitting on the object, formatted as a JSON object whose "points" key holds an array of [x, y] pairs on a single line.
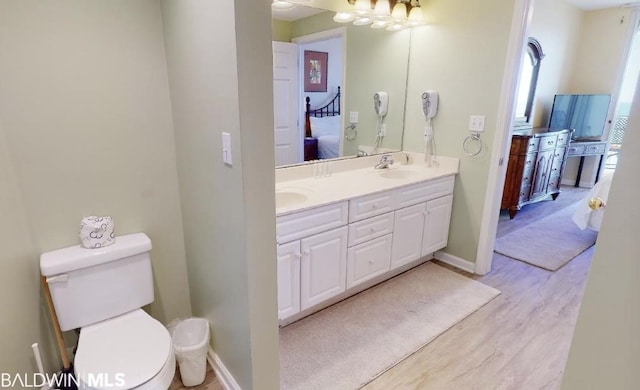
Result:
{"points": [[190, 344]]}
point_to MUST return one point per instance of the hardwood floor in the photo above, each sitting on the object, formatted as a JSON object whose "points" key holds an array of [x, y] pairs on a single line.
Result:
{"points": [[210, 382], [520, 340]]}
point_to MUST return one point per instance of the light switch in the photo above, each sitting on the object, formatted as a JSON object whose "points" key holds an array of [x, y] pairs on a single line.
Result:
{"points": [[226, 149], [353, 117], [476, 123]]}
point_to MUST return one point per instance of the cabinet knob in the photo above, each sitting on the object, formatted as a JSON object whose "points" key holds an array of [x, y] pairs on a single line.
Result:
{"points": [[371, 261], [298, 255], [306, 253], [372, 230]]}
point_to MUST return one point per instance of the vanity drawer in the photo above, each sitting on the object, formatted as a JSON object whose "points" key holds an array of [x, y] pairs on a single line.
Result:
{"points": [[422, 192], [368, 260], [370, 228], [305, 223], [371, 205]]}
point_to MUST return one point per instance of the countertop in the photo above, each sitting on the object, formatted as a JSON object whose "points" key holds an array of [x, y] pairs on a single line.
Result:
{"points": [[309, 192]]}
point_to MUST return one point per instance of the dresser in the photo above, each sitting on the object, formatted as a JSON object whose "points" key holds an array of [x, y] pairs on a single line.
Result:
{"points": [[534, 171]]}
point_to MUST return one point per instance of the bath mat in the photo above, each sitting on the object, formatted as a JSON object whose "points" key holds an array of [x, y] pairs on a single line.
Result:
{"points": [[548, 243], [351, 343]]}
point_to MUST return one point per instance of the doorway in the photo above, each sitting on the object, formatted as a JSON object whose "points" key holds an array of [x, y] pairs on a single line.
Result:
{"points": [[502, 140], [625, 100]]}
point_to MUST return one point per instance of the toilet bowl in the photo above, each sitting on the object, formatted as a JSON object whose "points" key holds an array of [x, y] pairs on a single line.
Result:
{"points": [[131, 351]]}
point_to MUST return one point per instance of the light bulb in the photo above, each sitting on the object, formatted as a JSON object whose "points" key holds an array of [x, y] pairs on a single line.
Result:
{"points": [[363, 21], [343, 17], [363, 7], [399, 12], [380, 24], [281, 5], [415, 16], [396, 27], [382, 9]]}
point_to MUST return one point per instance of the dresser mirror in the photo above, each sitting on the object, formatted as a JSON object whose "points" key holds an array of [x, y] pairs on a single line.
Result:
{"points": [[361, 62], [532, 57]]}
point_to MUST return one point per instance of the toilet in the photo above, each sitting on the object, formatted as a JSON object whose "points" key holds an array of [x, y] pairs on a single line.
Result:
{"points": [[102, 292]]}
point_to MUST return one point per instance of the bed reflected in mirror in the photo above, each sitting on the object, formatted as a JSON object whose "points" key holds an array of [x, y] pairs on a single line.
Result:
{"points": [[335, 118]]}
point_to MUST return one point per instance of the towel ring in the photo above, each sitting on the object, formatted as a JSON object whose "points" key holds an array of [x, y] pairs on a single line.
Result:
{"points": [[468, 142], [350, 132]]}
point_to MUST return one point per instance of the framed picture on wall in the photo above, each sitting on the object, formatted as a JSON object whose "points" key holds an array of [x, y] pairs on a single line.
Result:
{"points": [[315, 71]]}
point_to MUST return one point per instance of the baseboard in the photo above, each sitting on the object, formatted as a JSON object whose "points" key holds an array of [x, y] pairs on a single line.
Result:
{"points": [[455, 261], [224, 376], [583, 184]]}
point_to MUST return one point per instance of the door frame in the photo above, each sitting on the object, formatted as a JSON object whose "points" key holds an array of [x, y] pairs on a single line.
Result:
{"points": [[340, 32], [522, 14]]}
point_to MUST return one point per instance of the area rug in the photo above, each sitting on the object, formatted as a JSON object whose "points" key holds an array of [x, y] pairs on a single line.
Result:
{"points": [[548, 243], [351, 343]]}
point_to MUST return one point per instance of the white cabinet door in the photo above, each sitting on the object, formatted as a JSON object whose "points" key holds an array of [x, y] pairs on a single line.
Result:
{"points": [[436, 228], [288, 279], [368, 260], [324, 264], [407, 235]]}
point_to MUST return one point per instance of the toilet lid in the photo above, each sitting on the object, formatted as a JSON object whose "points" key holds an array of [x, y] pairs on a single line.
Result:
{"points": [[122, 352]]}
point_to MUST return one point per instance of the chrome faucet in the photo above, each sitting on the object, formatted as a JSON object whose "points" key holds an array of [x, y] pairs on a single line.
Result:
{"points": [[385, 161]]}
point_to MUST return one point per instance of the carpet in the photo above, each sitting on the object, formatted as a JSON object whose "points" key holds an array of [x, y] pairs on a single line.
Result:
{"points": [[548, 243], [352, 342]]}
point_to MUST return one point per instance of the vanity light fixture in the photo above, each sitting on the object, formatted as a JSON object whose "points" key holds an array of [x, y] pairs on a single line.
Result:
{"points": [[393, 15], [283, 5]]}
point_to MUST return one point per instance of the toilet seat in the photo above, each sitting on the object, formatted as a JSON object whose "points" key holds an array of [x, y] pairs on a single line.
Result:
{"points": [[125, 352]]}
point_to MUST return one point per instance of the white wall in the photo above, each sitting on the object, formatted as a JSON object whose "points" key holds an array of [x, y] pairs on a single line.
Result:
{"points": [[229, 211], [461, 54], [85, 107], [599, 62], [557, 26]]}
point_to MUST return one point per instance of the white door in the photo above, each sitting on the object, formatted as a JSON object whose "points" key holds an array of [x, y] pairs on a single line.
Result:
{"points": [[407, 235], [324, 265], [288, 279], [436, 226], [285, 103]]}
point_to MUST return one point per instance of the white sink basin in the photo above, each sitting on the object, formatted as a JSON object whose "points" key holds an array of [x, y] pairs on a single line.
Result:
{"points": [[396, 174], [288, 198]]}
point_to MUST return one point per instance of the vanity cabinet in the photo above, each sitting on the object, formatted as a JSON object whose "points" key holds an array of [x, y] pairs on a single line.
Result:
{"points": [[323, 268], [436, 225], [332, 250], [534, 169], [288, 279]]}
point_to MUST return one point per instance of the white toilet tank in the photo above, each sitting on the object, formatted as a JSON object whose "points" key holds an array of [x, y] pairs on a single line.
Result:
{"points": [[92, 285]]}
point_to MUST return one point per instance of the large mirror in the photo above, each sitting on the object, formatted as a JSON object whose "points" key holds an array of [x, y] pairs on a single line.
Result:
{"points": [[341, 68]]}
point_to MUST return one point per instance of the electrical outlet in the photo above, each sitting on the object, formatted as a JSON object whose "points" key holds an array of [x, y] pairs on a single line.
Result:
{"points": [[383, 130], [353, 117], [476, 123]]}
